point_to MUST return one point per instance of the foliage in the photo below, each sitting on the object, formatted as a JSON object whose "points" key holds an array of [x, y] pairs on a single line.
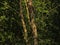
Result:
{"points": [[47, 17]]}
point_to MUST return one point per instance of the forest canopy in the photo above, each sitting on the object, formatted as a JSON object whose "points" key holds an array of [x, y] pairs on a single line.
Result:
{"points": [[29, 22]]}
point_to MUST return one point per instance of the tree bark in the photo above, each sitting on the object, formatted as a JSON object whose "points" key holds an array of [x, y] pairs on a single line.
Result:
{"points": [[30, 14], [24, 25]]}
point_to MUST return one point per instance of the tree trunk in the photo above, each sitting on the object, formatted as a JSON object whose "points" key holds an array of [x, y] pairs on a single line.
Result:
{"points": [[30, 14], [24, 25]]}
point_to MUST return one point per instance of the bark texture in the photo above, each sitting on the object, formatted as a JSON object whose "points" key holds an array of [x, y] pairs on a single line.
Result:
{"points": [[24, 25], [30, 13]]}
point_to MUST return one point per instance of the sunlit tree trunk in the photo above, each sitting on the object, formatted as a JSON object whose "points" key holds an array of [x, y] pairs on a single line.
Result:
{"points": [[30, 14], [24, 25]]}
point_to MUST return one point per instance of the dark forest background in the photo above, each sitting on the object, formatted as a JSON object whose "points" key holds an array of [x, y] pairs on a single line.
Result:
{"points": [[47, 19]]}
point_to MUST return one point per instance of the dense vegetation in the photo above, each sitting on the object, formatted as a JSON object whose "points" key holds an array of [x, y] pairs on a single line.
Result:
{"points": [[46, 16]]}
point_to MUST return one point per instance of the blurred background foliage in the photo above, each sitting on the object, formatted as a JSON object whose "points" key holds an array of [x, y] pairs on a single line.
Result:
{"points": [[47, 18]]}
